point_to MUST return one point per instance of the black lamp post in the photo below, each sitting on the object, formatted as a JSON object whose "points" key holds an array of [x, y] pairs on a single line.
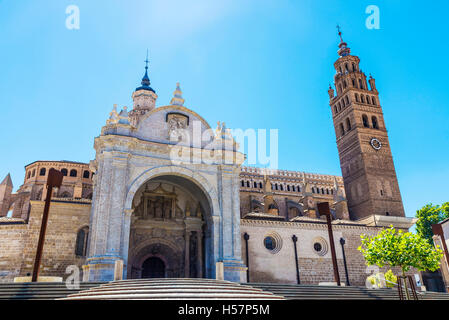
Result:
{"points": [[295, 239], [246, 237], [342, 242]]}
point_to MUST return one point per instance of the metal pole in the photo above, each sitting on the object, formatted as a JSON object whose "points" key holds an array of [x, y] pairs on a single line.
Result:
{"points": [[295, 239], [246, 237], [54, 180], [323, 208], [342, 242]]}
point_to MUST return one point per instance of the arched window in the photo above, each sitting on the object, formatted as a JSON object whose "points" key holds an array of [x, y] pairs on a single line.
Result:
{"points": [[34, 173], [73, 173], [335, 109], [354, 67], [243, 183], [65, 194], [341, 89], [348, 124], [29, 175], [288, 188], [81, 242], [361, 84], [86, 174], [276, 186], [299, 189], [374, 101], [281, 187], [368, 100], [293, 188], [365, 121], [346, 67], [347, 100], [339, 107], [357, 97], [342, 129], [343, 102], [255, 184], [344, 84], [42, 172], [313, 189], [64, 172], [327, 191], [260, 185], [354, 83], [247, 184], [374, 121], [322, 190], [362, 97], [318, 190]]}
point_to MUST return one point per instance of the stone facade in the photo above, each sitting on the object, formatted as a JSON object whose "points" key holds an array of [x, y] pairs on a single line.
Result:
{"points": [[19, 239]]}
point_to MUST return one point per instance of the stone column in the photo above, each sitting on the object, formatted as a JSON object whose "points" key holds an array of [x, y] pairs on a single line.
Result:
{"points": [[234, 269], [200, 253], [107, 217], [187, 255]]}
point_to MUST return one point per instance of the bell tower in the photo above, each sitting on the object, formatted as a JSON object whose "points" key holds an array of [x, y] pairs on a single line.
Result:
{"points": [[365, 156]]}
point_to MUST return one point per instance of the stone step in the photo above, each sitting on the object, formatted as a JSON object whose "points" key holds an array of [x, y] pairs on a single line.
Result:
{"points": [[172, 289], [300, 292]]}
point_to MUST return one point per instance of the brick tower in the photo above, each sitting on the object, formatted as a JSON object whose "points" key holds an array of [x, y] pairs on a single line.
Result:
{"points": [[365, 157]]}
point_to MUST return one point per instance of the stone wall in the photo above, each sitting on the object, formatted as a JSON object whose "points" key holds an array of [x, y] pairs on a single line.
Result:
{"points": [[279, 265], [19, 241]]}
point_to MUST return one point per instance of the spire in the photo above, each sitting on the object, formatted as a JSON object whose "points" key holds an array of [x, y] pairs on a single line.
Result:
{"points": [[344, 49], [145, 80], [7, 181], [177, 99]]}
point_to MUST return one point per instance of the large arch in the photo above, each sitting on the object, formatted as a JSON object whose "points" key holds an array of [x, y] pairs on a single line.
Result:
{"points": [[203, 191]]}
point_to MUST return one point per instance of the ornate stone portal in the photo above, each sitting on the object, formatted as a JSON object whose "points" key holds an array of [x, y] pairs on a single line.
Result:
{"points": [[153, 211]]}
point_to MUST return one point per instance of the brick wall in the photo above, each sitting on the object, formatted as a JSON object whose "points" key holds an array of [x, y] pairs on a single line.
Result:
{"points": [[19, 241]]}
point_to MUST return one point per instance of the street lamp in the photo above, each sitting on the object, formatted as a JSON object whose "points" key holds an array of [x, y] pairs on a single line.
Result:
{"points": [[246, 237], [295, 239], [342, 242]]}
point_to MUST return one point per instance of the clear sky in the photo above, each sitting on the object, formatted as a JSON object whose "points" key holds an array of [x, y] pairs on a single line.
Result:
{"points": [[252, 64]]}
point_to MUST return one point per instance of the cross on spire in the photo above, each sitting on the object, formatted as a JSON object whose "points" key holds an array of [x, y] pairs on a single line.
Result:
{"points": [[146, 61], [339, 32]]}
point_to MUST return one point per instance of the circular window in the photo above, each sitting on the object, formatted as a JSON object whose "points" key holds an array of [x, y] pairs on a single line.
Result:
{"points": [[269, 243], [319, 246], [273, 242]]}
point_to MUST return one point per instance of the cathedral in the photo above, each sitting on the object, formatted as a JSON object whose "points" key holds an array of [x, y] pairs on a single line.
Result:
{"points": [[164, 203]]}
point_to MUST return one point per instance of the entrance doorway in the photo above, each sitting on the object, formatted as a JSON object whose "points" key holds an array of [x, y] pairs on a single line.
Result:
{"points": [[153, 268]]}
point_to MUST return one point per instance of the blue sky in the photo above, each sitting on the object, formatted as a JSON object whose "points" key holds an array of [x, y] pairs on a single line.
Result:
{"points": [[252, 64]]}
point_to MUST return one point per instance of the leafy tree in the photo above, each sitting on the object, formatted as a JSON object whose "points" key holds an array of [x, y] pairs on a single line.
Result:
{"points": [[400, 249], [428, 215]]}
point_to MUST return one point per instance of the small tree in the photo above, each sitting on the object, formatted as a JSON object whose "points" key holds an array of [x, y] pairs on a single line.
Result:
{"points": [[428, 215], [400, 249]]}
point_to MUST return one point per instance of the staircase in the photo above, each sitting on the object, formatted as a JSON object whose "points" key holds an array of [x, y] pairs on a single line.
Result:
{"points": [[314, 292], [209, 289], [40, 290], [173, 289]]}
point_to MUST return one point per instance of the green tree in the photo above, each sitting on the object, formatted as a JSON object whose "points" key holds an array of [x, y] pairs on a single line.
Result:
{"points": [[428, 215], [400, 249]]}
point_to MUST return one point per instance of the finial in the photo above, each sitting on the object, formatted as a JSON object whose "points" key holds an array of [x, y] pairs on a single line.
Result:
{"points": [[344, 50], [177, 99], [146, 80]]}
